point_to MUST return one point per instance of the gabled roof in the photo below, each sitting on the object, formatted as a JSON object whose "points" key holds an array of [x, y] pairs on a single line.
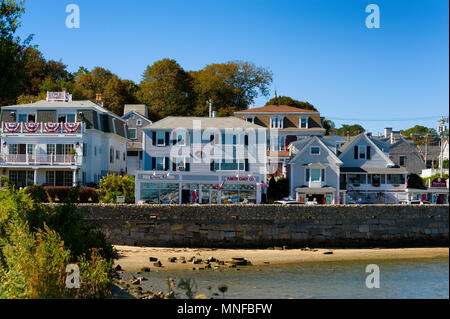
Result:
{"points": [[137, 108], [125, 116], [353, 141], [308, 144], [276, 109], [186, 122]]}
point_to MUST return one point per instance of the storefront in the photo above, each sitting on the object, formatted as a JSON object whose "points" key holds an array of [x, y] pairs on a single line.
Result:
{"points": [[319, 195], [188, 188], [437, 193]]}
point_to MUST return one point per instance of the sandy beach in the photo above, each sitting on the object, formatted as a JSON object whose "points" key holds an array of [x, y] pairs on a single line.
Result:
{"points": [[133, 259]]}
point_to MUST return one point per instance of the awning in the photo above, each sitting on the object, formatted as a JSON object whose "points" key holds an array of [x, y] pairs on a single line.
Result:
{"points": [[315, 190], [374, 170]]}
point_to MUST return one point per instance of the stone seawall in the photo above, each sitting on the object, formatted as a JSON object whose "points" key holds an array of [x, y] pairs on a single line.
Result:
{"points": [[262, 226]]}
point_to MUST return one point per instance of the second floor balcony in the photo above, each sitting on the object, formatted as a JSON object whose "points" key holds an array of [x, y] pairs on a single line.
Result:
{"points": [[49, 128], [45, 159]]}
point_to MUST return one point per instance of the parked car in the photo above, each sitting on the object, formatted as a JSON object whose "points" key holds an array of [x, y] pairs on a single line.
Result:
{"points": [[415, 202], [287, 202]]}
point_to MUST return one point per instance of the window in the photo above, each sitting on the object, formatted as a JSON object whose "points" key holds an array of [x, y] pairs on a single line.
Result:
{"points": [[315, 150], [179, 164], [85, 149], [315, 175], [132, 133], [138, 122], [376, 179], [160, 138], [303, 122], [95, 150], [250, 119], [117, 155], [181, 139], [13, 149], [30, 149], [111, 155], [357, 178], [362, 152], [23, 118], [402, 160], [396, 179], [229, 165], [51, 149], [159, 164], [124, 156], [276, 122], [66, 118]]}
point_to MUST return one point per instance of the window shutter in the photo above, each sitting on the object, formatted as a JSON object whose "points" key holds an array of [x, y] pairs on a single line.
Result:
{"points": [[211, 167], [174, 166], [246, 165], [211, 138], [153, 163], [167, 138], [188, 166], [166, 162], [368, 152], [355, 152], [246, 140], [153, 138]]}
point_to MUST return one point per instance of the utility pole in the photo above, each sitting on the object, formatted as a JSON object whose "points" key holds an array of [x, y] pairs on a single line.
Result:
{"points": [[441, 130], [210, 107]]}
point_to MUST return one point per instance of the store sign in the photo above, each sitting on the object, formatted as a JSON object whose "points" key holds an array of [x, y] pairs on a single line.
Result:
{"points": [[438, 182], [120, 199], [240, 179], [157, 176]]}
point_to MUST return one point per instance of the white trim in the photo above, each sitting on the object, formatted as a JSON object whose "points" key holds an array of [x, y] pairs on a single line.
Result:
{"points": [[376, 148], [300, 122], [315, 138]]}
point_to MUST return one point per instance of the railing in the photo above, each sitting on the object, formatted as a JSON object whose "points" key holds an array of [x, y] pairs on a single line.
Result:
{"points": [[42, 128], [31, 159]]}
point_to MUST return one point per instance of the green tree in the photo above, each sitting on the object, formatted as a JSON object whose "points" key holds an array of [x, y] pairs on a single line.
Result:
{"points": [[112, 186], [286, 100], [12, 51], [352, 130], [231, 86], [166, 89]]}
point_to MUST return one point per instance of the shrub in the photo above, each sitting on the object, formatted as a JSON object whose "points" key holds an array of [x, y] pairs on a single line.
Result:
{"points": [[37, 193], [112, 186], [415, 180], [87, 194], [3, 180], [42, 194], [37, 243]]}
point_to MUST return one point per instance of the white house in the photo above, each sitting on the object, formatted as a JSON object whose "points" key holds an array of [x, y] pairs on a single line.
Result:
{"points": [[367, 172], [314, 171], [60, 142], [202, 160]]}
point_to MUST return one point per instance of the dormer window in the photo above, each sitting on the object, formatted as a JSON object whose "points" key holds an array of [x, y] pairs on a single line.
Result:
{"points": [[315, 150], [276, 122], [303, 122], [250, 119], [138, 122]]}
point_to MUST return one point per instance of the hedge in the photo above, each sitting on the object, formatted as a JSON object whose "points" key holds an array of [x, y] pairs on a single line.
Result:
{"points": [[61, 193]]}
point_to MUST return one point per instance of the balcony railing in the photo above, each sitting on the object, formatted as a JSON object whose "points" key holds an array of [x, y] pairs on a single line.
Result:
{"points": [[31, 159], [42, 128]]}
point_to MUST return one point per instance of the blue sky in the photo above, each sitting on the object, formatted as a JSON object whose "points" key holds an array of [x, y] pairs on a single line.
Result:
{"points": [[319, 51]]}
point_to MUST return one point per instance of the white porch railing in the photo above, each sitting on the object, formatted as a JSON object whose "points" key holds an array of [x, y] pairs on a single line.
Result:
{"points": [[31, 159]]}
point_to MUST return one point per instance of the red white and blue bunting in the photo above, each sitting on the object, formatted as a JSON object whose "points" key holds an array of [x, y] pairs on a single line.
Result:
{"points": [[52, 127], [71, 127], [11, 127], [31, 127]]}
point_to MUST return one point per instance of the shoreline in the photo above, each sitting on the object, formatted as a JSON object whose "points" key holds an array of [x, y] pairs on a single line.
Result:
{"points": [[134, 259]]}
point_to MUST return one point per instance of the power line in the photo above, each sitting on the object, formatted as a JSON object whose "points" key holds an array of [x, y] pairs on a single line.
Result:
{"points": [[423, 118]]}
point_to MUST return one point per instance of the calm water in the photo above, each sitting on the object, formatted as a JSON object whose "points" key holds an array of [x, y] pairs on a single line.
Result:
{"points": [[418, 278]]}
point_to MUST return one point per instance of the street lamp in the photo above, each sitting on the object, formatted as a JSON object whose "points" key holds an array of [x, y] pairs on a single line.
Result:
{"points": [[442, 128]]}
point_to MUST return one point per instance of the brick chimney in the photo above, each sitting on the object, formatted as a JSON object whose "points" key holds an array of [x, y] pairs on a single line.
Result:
{"points": [[98, 99]]}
